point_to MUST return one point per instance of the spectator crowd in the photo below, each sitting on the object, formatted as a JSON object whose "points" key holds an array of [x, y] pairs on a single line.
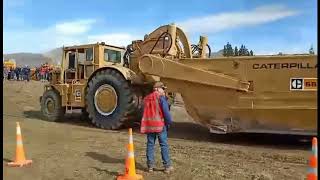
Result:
{"points": [[19, 73]]}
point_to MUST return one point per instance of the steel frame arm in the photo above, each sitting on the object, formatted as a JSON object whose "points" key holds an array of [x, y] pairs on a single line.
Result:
{"points": [[166, 68]]}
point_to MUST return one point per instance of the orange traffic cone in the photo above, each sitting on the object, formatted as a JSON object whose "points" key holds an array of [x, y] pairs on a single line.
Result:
{"points": [[312, 172], [130, 171], [20, 157]]}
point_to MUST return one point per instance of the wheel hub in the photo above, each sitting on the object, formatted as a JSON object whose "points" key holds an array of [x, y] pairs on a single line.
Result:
{"points": [[105, 99], [50, 105]]}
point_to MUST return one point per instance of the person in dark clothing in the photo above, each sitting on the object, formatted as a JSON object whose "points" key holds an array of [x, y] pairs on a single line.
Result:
{"points": [[23, 73], [10, 74], [27, 73], [42, 73], [37, 73], [17, 72]]}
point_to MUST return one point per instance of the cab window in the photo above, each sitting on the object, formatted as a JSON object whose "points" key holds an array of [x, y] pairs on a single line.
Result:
{"points": [[112, 56], [89, 54]]}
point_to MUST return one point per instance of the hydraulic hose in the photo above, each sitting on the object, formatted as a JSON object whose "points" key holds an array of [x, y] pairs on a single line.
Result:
{"points": [[197, 48], [165, 34]]}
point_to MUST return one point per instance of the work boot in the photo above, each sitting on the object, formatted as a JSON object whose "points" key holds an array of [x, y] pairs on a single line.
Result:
{"points": [[168, 169]]}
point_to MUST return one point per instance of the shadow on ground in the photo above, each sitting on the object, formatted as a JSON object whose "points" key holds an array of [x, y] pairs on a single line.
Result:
{"points": [[6, 160], [196, 132], [107, 159], [74, 119], [112, 173], [279, 141], [104, 158]]}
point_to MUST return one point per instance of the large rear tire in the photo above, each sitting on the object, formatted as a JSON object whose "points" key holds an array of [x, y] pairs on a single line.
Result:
{"points": [[51, 105], [109, 100]]}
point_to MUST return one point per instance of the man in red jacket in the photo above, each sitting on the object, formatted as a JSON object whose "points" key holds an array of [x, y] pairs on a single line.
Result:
{"points": [[155, 123]]}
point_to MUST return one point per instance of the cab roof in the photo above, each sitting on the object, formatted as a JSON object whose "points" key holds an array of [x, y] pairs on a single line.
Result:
{"points": [[83, 46]]}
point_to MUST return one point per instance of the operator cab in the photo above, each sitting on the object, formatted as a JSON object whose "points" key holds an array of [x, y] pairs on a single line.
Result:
{"points": [[79, 62], [113, 56]]}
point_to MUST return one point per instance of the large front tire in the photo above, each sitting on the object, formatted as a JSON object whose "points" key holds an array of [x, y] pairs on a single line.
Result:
{"points": [[51, 105], [109, 100]]}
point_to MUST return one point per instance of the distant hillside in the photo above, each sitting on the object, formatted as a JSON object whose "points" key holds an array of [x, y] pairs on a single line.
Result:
{"points": [[55, 55], [217, 54], [31, 59]]}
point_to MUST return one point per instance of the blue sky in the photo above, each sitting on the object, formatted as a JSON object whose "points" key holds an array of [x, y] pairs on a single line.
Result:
{"points": [[266, 27]]}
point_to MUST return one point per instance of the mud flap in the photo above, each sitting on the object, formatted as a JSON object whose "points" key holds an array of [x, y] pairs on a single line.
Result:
{"points": [[40, 99]]}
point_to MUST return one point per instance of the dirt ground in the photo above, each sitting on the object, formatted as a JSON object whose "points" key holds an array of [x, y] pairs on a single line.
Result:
{"points": [[73, 149]]}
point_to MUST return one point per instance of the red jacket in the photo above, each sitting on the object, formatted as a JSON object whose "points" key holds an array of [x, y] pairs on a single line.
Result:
{"points": [[42, 70], [152, 120]]}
